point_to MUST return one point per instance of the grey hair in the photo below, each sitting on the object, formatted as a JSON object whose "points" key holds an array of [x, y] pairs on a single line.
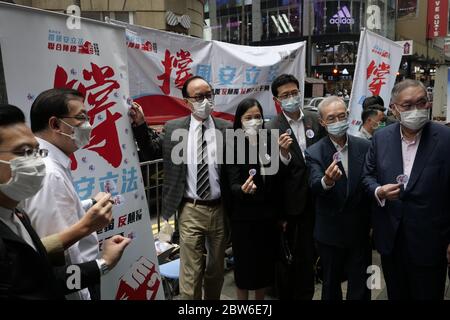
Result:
{"points": [[329, 100], [402, 85]]}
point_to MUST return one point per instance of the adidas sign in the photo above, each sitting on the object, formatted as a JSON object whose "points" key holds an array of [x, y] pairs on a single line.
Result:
{"points": [[343, 16]]}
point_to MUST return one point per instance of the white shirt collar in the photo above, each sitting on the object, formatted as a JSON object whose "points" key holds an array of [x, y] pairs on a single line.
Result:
{"points": [[338, 147], [54, 153], [208, 122], [416, 138], [289, 119], [365, 132]]}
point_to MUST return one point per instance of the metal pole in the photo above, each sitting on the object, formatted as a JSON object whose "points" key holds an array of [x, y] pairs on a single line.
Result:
{"points": [[309, 46]]}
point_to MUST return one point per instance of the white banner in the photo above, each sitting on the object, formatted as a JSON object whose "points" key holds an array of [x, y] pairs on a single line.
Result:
{"points": [[40, 52], [159, 63], [376, 69]]}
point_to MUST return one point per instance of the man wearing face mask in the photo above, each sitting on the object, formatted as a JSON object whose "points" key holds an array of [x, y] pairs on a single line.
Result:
{"points": [[26, 272], [407, 173], [299, 129], [61, 125], [373, 118], [196, 188], [341, 227]]}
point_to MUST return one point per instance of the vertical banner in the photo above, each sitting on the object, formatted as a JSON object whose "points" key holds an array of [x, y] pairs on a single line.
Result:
{"points": [[437, 19], [375, 73], [160, 62], [39, 52]]}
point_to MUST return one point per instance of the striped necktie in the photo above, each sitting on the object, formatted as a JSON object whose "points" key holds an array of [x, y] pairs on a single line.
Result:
{"points": [[203, 187]]}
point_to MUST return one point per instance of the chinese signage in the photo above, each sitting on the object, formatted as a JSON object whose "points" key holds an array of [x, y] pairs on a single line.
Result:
{"points": [[407, 47], [437, 18], [376, 69], [235, 72], [39, 53]]}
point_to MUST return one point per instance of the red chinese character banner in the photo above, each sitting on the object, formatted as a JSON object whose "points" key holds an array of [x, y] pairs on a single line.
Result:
{"points": [[235, 72], [39, 52], [376, 69]]}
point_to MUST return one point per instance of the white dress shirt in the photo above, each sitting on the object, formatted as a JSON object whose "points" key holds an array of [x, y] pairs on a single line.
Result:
{"points": [[344, 161], [298, 128], [409, 151], [213, 169], [57, 206], [363, 133], [14, 223]]}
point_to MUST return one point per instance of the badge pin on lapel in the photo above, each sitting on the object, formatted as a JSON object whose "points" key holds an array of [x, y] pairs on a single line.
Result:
{"points": [[402, 179], [337, 156]]}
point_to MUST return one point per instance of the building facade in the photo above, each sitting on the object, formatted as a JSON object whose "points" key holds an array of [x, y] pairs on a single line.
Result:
{"points": [[331, 29], [181, 16]]}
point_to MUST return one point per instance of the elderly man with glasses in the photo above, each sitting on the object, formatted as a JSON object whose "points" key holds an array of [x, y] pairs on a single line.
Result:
{"points": [[407, 174], [341, 228]]}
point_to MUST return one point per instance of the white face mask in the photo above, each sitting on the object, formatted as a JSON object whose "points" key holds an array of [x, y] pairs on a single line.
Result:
{"points": [[414, 119], [251, 127], [81, 134], [27, 175], [202, 109], [291, 104], [338, 129]]}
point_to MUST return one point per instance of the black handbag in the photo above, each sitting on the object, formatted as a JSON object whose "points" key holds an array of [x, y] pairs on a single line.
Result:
{"points": [[285, 251]]}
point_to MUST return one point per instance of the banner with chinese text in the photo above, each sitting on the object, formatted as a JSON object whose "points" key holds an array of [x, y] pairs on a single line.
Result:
{"points": [[160, 62], [375, 73], [39, 52]]}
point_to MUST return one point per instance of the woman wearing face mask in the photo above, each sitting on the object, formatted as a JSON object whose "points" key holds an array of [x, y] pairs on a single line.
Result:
{"points": [[253, 225]]}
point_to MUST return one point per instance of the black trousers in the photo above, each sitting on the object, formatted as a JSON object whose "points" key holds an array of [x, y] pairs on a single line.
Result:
{"points": [[344, 263], [296, 282], [406, 281]]}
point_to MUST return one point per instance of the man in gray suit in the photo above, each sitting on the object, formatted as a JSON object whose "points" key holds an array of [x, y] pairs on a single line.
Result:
{"points": [[193, 180]]}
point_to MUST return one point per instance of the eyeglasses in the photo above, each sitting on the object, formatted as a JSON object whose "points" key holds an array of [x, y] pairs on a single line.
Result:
{"points": [[288, 95], [421, 104], [29, 152], [81, 117], [201, 97], [333, 119]]}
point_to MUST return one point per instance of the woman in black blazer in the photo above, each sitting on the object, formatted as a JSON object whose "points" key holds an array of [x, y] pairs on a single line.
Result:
{"points": [[253, 214]]}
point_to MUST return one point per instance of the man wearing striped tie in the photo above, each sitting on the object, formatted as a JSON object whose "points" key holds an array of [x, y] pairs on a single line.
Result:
{"points": [[193, 180]]}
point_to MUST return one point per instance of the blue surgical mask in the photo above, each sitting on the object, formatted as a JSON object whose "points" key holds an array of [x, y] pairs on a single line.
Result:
{"points": [[291, 104], [338, 129]]}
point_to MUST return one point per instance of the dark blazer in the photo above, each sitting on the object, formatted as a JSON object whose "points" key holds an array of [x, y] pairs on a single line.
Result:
{"points": [[342, 212], [263, 204], [27, 274], [423, 208], [294, 185], [174, 184]]}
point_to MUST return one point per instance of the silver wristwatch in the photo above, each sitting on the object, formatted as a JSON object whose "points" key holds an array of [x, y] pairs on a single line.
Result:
{"points": [[103, 266]]}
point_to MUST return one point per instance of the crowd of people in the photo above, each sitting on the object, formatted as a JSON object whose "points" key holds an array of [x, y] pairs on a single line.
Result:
{"points": [[331, 194]]}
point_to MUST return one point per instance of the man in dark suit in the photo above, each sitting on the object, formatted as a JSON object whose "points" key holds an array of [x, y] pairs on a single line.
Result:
{"points": [[342, 216], [25, 270], [298, 130], [407, 173], [193, 180]]}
